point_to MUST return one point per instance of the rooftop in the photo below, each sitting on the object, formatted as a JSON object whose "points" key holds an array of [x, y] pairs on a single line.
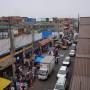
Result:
{"points": [[81, 69]]}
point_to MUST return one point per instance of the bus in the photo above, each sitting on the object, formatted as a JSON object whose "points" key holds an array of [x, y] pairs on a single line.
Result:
{"points": [[5, 84]]}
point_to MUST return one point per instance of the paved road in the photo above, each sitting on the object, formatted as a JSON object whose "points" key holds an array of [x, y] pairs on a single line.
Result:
{"points": [[50, 83]]}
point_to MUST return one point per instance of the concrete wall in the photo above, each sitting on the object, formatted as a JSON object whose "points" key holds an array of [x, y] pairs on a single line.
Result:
{"points": [[19, 41]]}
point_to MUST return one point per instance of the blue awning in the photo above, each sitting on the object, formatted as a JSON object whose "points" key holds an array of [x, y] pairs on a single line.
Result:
{"points": [[38, 59]]}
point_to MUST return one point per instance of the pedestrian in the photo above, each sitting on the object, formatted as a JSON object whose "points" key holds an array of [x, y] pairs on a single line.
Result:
{"points": [[52, 53], [14, 82], [28, 80], [12, 88], [56, 55], [49, 52], [20, 69], [31, 77], [34, 71], [18, 85]]}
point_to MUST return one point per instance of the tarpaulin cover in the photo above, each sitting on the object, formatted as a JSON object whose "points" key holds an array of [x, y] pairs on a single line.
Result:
{"points": [[46, 34], [38, 59]]}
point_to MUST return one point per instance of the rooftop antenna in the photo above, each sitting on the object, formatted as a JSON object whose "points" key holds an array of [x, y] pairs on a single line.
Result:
{"points": [[78, 21]]}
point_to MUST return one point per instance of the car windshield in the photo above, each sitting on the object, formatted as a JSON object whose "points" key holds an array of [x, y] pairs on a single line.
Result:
{"points": [[65, 61], [58, 87], [41, 72], [62, 72], [72, 51], [67, 58]]}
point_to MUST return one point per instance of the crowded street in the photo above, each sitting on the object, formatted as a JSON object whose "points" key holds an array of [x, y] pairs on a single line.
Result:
{"points": [[51, 81], [39, 60], [44, 46]]}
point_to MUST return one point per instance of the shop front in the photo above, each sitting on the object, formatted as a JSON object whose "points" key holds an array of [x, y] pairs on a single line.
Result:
{"points": [[29, 53], [6, 66], [29, 56], [19, 57], [45, 45], [36, 48]]}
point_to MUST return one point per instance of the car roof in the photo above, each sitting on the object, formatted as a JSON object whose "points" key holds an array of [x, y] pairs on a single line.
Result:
{"points": [[67, 57], [61, 80], [72, 50], [66, 62], [63, 68]]}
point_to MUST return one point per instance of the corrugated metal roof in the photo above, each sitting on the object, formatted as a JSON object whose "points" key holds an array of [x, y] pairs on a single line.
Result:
{"points": [[81, 73], [84, 31], [83, 47], [80, 83], [82, 67], [84, 20]]}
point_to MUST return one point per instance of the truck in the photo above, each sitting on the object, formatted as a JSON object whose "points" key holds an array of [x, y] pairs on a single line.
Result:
{"points": [[46, 67]]}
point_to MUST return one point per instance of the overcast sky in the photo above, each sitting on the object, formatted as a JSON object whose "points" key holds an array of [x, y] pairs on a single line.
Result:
{"points": [[45, 8]]}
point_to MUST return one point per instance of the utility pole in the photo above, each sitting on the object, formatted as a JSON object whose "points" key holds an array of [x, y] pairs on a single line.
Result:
{"points": [[12, 52], [32, 33], [58, 27], [78, 21]]}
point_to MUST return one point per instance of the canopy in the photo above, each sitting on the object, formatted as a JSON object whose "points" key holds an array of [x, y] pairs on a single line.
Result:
{"points": [[38, 59], [44, 42], [4, 83]]}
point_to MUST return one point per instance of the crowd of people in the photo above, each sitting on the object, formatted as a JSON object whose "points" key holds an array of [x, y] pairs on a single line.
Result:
{"points": [[55, 52], [25, 75]]}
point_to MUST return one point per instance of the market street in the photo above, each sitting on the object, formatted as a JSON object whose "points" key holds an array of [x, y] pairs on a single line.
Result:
{"points": [[50, 83]]}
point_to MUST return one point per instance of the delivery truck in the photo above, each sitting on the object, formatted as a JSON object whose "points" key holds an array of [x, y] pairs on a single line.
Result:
{"points": [[46, 67]]}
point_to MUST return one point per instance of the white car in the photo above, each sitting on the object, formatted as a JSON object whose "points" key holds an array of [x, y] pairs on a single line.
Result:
{"points": [[67, 58], [66, 61], [73, 46], [72, 53], [60, 84], [62, 72]]}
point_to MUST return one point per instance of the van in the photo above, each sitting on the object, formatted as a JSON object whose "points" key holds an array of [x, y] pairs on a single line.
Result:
{"points": [[60, 84], [66, 61], [62, 72], [73, 46]]}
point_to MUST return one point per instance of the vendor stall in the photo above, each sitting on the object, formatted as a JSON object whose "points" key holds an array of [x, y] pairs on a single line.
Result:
{"points": [[44, 45]]}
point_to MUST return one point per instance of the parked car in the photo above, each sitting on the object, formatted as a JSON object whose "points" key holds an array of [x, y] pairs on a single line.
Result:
{"points": [[67, 58], [60, 84], [72, 53], [62, 72], [73, 46], [66, 61]]}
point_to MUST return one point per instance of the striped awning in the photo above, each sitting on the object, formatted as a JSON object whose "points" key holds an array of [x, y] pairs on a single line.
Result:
{"points": [[44, 42]]}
